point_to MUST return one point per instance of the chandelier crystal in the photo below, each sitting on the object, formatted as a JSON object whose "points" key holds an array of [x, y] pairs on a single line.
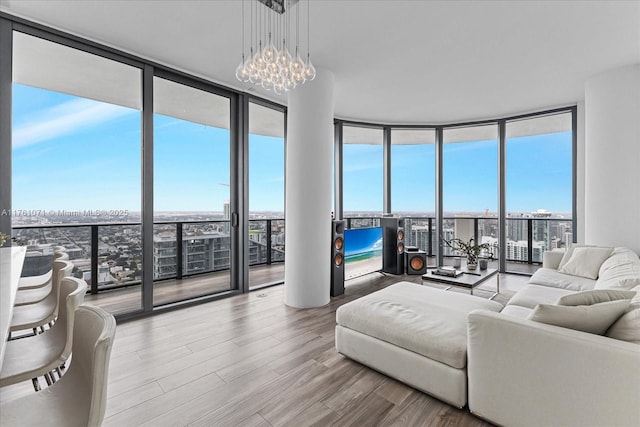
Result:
{"points": [[270, 64]]}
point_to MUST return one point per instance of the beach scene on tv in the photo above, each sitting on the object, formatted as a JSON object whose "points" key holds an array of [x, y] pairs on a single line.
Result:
{"points": [[363, 251]]}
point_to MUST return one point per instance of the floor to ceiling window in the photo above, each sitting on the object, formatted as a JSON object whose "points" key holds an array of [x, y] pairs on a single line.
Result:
{"points": [[362, 187], [77, 163], [191, 192], [413, 190], [470, 184], [76, 157], [538, 187], [266, 195]]}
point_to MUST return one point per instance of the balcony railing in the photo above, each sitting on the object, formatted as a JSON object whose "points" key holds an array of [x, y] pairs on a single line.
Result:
{"points": [[527, 238], [109, 255]]}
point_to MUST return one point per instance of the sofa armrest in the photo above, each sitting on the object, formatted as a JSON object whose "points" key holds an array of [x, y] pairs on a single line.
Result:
{"points": [[523, 372], [551, 259]]}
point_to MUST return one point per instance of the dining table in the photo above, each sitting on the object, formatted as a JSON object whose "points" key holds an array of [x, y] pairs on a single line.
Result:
{"points": [[11, 260]]}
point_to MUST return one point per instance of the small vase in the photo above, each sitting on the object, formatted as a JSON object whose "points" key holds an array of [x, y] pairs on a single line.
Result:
{"points": [[483, 263], [457, 262], [472, 262]]}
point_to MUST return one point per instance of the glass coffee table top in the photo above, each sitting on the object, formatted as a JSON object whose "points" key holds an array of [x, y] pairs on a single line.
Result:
{"points": [[469, 279]]}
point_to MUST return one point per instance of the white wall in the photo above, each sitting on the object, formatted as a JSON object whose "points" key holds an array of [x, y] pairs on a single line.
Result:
{"points": [[612, 158]]}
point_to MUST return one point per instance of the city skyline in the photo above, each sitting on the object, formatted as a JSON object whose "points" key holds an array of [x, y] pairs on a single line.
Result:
{"points": [[93, 150]]}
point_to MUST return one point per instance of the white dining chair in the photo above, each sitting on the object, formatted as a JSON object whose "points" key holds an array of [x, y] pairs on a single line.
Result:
{"points": [[34, 295], [31, 357], [35, 282], [42, 280], [63, 256], [36, 315], [80, 397]]}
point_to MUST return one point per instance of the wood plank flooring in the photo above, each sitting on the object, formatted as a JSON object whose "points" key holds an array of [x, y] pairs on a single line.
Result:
{"points": [[129, 299], [250, 360]]}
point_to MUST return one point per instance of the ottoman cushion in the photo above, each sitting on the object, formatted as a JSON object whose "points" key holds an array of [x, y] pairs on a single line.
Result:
{"points": [[427, 321]]}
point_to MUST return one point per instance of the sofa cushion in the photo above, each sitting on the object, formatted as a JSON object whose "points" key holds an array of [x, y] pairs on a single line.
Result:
{"points": [[586, 262], [532, 295], [620, 255], [569, 252], [427, 321], [623, 283], [620, 271], [553, 278], [627, 327], [517, 311], [595, 297], [595, 318]]}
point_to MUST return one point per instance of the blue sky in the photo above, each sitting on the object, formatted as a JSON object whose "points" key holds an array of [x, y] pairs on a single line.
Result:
{"points": [[538, 176], [93, 149], [76, 154]]}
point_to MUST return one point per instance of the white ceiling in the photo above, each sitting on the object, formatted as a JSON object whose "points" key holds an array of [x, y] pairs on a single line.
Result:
{"points": [[394, 61]]}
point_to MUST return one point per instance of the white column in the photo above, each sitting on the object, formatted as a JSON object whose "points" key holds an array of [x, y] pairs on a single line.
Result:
{"points": [[307, 271], [612, 156]]}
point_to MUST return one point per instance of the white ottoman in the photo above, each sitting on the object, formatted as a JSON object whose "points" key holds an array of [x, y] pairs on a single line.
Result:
{"points": [[413, 333]]}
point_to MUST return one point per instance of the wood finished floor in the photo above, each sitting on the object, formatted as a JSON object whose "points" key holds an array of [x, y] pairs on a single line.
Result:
{"points": [[129, 299], [250, 360]]}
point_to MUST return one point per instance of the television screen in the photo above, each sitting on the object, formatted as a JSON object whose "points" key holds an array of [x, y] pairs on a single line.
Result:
{"points": [[362, 251]]}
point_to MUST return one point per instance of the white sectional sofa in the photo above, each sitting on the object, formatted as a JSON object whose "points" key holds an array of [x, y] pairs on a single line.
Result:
{"points": [[522, 372], [511, 370]]}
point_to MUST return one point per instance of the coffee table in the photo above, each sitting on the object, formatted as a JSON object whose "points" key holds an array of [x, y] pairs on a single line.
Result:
{"points": [[469, 280]]}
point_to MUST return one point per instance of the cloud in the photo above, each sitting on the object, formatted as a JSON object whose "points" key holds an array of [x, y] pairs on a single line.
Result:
{"points": [[64, 119], [32, 154]]}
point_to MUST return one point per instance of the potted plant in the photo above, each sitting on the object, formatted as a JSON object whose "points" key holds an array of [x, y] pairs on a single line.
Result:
{"points": [[3, 238], [6, 237], [470, 250]]}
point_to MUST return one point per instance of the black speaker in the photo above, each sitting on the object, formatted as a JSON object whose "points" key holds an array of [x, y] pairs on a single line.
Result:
{"points": [[337, 258], [416, 262], [392, 245]]}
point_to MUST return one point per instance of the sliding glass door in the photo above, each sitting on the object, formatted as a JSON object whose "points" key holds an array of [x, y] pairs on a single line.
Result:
{"points": [[538, 181], [192, 182], [470, 185], [266, 195], [413, 187], [76, 156], [362, 153]]}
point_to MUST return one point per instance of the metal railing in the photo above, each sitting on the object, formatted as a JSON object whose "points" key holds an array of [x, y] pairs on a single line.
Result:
{"points": [[109, 255], [527, 238]]}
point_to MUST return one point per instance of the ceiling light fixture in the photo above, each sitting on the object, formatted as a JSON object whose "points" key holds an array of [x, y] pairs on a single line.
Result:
{"points": [[270, 64]]}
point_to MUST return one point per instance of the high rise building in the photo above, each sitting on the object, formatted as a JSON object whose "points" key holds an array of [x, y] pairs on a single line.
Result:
{"points": [[226, 210], [419, 236], [516, 229], [200, 253]]}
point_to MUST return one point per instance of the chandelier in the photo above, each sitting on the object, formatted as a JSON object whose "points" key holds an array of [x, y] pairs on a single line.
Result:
{"points": [[270, 64]]}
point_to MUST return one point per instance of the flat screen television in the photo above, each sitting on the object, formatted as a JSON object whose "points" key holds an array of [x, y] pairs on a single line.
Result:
{"points": [[362, 251]]}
